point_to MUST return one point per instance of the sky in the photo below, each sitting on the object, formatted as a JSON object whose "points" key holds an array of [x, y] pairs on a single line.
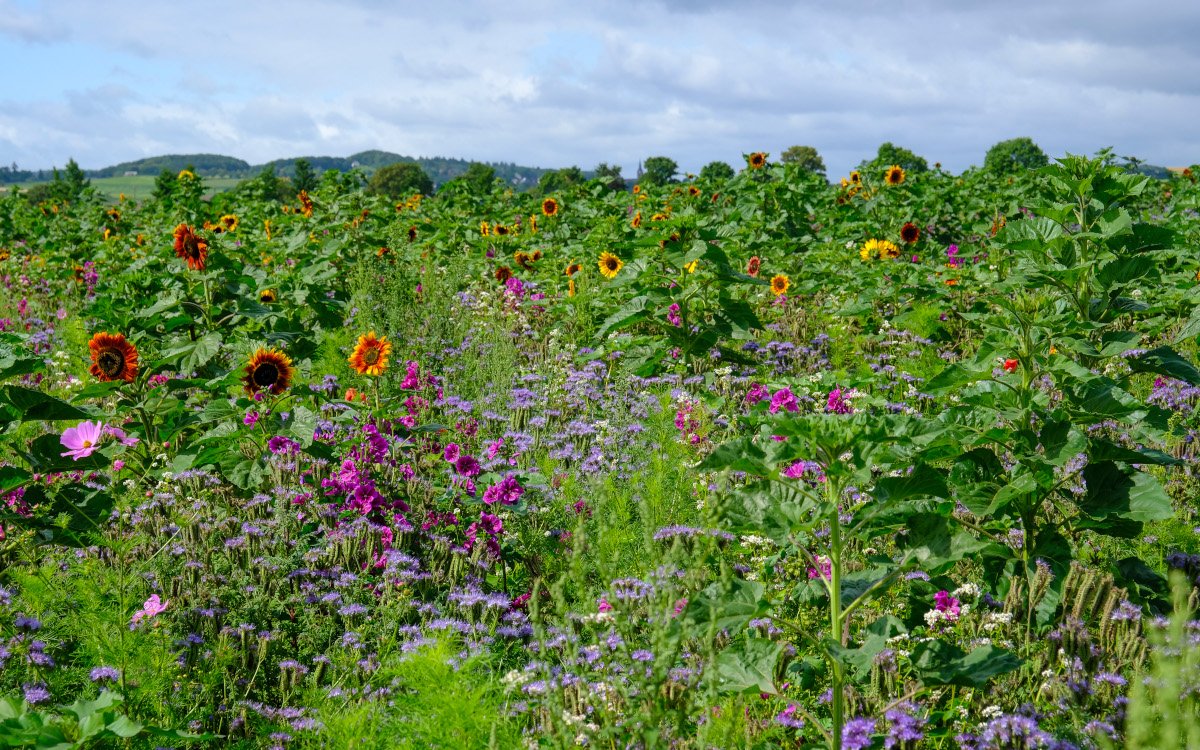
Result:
{"points": [[554, 84]]}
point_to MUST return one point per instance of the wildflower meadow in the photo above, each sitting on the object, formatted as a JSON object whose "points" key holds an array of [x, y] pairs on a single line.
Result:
{"points": [[748, 460]]}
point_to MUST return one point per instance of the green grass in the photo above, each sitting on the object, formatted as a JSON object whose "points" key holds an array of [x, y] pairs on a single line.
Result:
{"points": [[140, 187]]}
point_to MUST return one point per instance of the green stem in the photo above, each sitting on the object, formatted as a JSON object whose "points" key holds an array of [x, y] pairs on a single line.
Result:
{"points": [[835, 610]]}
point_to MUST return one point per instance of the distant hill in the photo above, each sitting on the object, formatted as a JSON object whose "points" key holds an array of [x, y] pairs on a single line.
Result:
{"points": [[439, 169], [209, 165]]}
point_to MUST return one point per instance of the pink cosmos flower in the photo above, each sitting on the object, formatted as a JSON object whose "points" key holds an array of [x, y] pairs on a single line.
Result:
{"points": [[152, 608], [82, 440], [120, 435]]}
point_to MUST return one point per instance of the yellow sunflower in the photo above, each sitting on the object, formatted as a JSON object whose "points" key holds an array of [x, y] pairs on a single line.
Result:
{"points": [[370, 355], [895, 175], [550, 207], [610, 265], [780, 284]]}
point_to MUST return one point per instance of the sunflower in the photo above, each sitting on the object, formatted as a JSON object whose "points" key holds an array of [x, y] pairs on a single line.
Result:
{"points": [[856, 177], [637, 220], [190, 247], [267, 295], [637, 189], [758, 160], [484, 229], [503, 274], [573, 269], [113, 214], [229, 222], [753, 266], [610, 265], [269, 370], [113, 358], [523, 259], [895, 175], [693, 191], [888, 249], [412, 234], [910, 233], [500, 230], [780, 284], [370, 355], [550, 207], [306, 204], [185, 174]]}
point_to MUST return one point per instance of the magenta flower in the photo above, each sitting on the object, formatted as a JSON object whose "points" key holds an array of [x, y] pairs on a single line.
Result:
{"points": [[757, 392], [82, 440], [152, 608], [120, 435], [673, 316], [944, 602], [837, 402], [784, 399]]}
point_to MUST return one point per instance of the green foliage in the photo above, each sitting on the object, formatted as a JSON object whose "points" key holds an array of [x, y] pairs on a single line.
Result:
{"points": [[610, 176], [805, 157], [658, 170], [889, 154], [398, 181], [560, 180], [716, 171], [1015, 155], [304, 178]]}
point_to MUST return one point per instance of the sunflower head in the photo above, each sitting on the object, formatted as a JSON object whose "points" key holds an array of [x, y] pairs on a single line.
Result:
{"points": [[500, 230], [856, 177], [550, 207], [113, 358], [190, 247], [637, 220], [229, 222], [503, 274], [412, 234], [693, 191], [888, 249], [267, 296], [573, 269], [910, 232], [610, 265], [894, 175], [370, 355], [757, 160], [753, 266], [268, 370], [780, 284], [484, 229], [523, 259]]}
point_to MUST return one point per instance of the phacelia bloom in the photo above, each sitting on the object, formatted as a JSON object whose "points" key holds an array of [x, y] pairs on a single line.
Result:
{"points": [[150, 609], [673, 316], [757, 160], [894, 175], [104, 674], [837, 403], [788, 718], [753, 266], [856, 735], [370, 355], [610, 265], [910, 232], [550, 207], [784, 399], [113, 358], [268, 370], [1011, 365], [82, 440], [190, 247], [780, 284]]}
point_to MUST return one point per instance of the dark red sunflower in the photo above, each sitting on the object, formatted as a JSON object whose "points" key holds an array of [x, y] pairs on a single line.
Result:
{"points": [[191, 247], [113, 358], [269, 370], [910, 232]]}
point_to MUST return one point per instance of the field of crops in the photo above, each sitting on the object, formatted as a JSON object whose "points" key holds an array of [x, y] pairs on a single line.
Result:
{"points": [[903, 461]]}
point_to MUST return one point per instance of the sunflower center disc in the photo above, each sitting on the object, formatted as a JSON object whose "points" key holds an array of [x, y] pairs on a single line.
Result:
{"points": [[111, 362], [265, 375], [371, 356]]}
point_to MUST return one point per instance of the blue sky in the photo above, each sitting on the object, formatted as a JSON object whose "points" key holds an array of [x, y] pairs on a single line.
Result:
{"points": [[553, 84]]}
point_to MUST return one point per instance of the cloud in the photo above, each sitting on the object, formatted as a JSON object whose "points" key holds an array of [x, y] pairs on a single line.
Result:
{"points": [[548, 84]]}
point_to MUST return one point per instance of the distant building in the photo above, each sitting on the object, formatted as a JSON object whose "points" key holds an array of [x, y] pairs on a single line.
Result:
{"points": [[131, 173]]}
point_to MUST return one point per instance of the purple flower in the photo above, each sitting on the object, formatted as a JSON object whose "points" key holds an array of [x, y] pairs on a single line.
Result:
{"points": [[35, 693], [837, 403], [507, 492], [856, 735], [104, 674], [673, 316], [467, 466], [452, 452], [82, 440], [787, 717], [784, 399], [757, 393]]}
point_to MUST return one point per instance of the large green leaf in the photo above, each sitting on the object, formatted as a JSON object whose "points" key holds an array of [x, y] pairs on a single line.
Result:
{"points": [[749, 666], [728, 606], [939, 662], [1119, 490]]}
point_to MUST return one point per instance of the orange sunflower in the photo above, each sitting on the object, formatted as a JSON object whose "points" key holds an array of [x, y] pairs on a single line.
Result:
{"points": [[910, 233], [780, 284], [190, 247], [573, 269], [610, 265], [895, 175], [550, 207], [503, 274], [113, 358], [269, 370], [758, 160], [370, 355]]}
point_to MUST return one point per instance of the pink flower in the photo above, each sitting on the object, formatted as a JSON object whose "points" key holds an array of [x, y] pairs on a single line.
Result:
{"points": [[826, 571], [673, 316], [943, 602], [152, 608], [603, 605], [837, 403], [784, 399], [118, 465], [120, 435], [757, 392], [82, 440]]}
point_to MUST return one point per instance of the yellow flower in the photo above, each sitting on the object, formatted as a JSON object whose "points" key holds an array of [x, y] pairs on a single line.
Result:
{"points": [[895, 175], [610, 265], [780, 284], [186, 174], [691, 267], [483, 228]]}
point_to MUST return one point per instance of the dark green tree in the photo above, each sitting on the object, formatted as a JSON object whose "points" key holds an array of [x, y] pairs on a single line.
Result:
{"points": [[889, 154], [75, 182], [716, 171], [1015, 155], [304, 178], [558, 180], [479, 178], [659, 170], [805, 157], [164, 187], [400, 180], [610, 175]]}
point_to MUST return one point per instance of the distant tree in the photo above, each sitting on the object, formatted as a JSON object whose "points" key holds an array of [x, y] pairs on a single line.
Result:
{"points": [[806, 157], [1015, 155], [557, 180], [304, 178], [890, 154], [716, 171], [659, 170], [71, 184], [610, 175], [400, 180], [480, 178]]}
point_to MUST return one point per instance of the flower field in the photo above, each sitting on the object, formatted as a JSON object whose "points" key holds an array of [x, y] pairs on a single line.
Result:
{"points": [[904, 461]]}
